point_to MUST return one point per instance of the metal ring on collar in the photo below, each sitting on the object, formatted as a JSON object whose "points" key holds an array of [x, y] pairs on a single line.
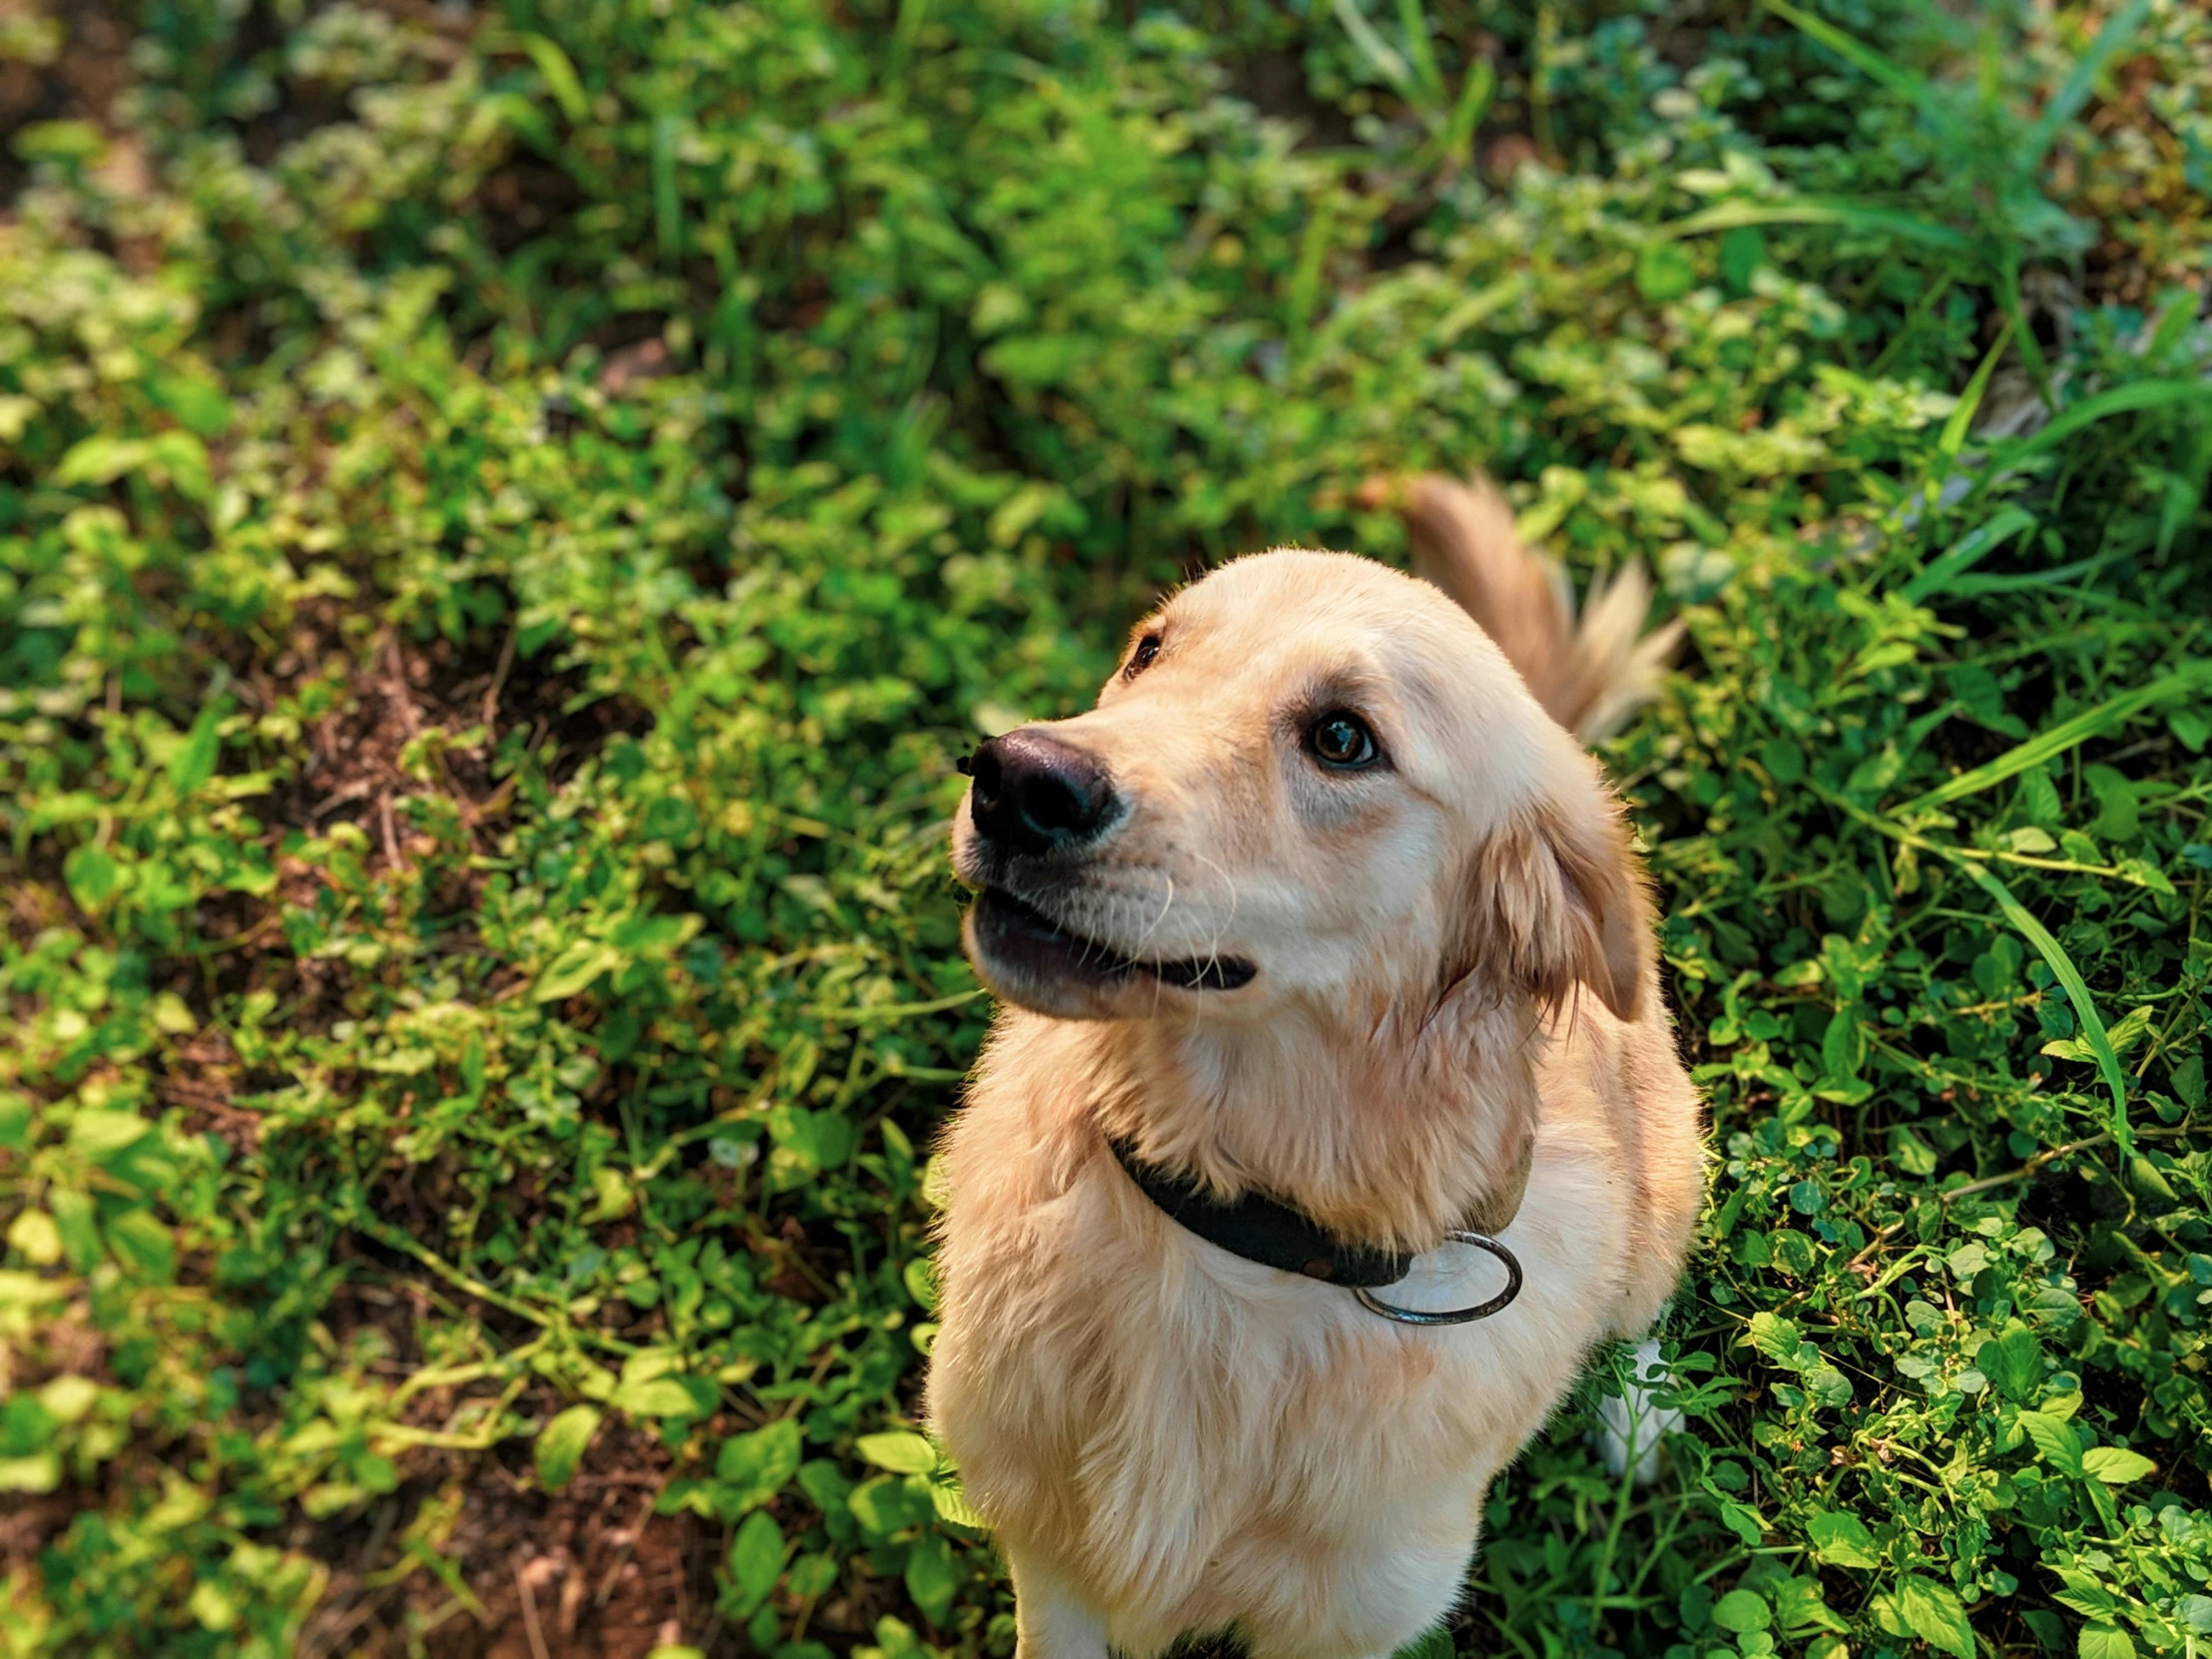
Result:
{"points": [[1455, 1315]]}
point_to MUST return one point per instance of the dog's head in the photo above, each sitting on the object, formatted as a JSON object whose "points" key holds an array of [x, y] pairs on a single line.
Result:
{"points": [[1314, 782]]}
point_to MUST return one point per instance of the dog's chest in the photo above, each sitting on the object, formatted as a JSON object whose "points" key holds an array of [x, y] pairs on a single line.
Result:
{"points": [[1145, 1403]]}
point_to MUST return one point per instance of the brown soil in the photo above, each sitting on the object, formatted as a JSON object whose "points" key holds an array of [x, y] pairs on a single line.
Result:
{"points": [[80, 84], [590, 1573]]}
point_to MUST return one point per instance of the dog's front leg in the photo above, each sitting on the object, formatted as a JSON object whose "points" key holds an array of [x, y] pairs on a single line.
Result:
{"points": [[1051, 1621]]}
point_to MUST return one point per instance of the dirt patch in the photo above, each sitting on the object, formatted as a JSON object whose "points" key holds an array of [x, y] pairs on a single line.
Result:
{"points": [[524, 200], [202, 1077], [31, 1522], [400, 719], [586, 1573], [80, 83], [403, 689]]}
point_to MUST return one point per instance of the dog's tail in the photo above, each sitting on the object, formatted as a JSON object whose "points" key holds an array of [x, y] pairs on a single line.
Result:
{"points": [[1590, 675]]}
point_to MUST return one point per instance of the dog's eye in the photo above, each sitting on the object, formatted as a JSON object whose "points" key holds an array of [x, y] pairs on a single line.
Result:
{"points": [[1141, 658], [1343, 740]]}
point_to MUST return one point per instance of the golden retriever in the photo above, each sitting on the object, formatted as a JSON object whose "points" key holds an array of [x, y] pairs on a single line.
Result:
{"points": [[1322, 902]]}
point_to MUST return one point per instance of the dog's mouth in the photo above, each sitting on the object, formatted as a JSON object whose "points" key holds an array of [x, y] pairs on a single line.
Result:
{"points": [[1019, 936]]}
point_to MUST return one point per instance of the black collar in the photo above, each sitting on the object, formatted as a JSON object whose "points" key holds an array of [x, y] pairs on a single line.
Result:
{"points": [[1261, 1230], [1276, 1236]]}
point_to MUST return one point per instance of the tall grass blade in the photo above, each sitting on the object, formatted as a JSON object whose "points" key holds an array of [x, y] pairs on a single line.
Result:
{"points": [[2074, 92], [1940, 573], [2016, 323], [2077, 992], [1377, 50], [1857, 54], [559, 75], [2138, 394], [1968, 587], [1305, 292], [1804, 209], [2045, 745], [1475, 94], [1969, 400], [668, 205], [1423, 54]]}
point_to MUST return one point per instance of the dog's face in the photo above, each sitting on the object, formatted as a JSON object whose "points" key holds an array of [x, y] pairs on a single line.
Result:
{"points": [[1313, 780]]}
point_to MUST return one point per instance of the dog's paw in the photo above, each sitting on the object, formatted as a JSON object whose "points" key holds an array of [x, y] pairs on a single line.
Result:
{"points": [[1633, 1425]]}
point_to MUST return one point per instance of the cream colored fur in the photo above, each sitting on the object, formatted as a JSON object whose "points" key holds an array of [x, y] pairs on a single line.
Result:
{"points": [[1457, 986]]}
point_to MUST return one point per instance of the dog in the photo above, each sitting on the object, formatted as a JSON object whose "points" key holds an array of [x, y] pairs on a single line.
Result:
{"points": [[1331, 1004]]}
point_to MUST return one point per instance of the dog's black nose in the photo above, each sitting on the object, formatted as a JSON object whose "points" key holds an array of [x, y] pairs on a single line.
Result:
{"points": [[1034, 793]]}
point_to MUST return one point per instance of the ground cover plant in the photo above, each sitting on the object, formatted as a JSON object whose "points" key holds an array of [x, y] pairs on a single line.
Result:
{"points": [[509, 514]]}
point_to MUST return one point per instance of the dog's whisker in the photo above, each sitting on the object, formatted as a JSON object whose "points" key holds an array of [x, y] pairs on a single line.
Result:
{"points": [[1165, 908]]}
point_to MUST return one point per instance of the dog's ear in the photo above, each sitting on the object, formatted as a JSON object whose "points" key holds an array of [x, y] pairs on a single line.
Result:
{"points": [[1557, 898]]}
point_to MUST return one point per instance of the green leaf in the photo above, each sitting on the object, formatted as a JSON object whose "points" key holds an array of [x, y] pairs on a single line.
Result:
{"points": [[1777, 1338], [1841, 1540], [41, 1471], [98, 460], [213, 1605], [1799, 1607], [1664, 272], [1743, 251], [657, 1397], [755, 1468], [922, 1283], [1935, 1616], [1910, 1153], [886, 1505], [756, 1560], [182, 458], [1844, 1043], [2013, 1363], [2115, 1466], [1741, 1611], [1436, 1644], [34, 1235], [1827, 1387], [80, 1231], [2106, 1641], [93, 877], [2054, 1441], [900, 1450], [101, 1134], [1742, 1520], [2084, 1594], [573, 969], [192, 762], [952, 1504], [201, 404], [934, 1577], [142, 1245], [561, 1443]]}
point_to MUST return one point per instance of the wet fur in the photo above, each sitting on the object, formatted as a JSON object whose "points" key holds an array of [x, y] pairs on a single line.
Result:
{"points": [[1458, 1011]]}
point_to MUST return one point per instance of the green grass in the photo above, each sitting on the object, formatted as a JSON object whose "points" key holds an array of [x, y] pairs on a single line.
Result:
{"points": [[507, 519]]}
